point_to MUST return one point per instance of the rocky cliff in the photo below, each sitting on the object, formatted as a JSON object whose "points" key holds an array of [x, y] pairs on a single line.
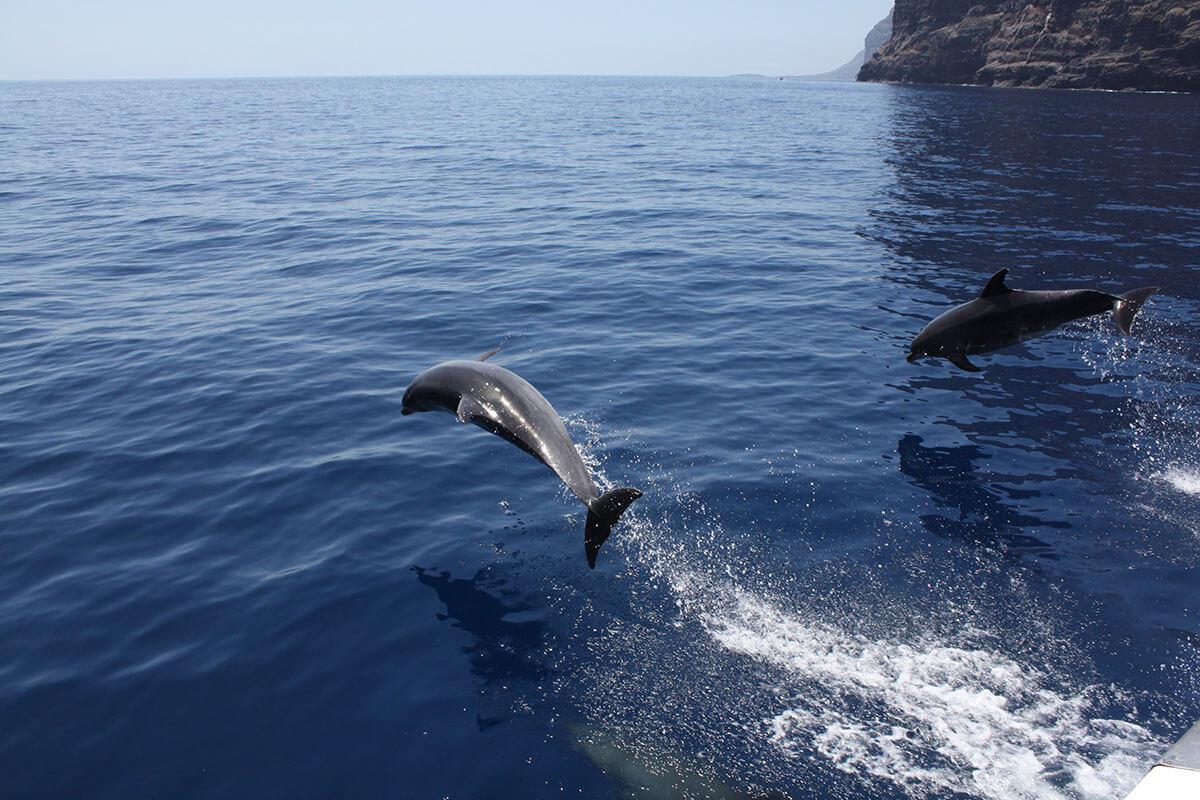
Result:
{"points": [[877, 37], [1076, 44]]}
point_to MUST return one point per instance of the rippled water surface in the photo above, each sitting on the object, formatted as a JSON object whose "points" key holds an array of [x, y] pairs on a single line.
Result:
{"points": [[231, 568]]}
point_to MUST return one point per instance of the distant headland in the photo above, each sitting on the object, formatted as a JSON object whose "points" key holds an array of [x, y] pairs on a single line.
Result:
{"points": [[876, 38], [1152, 45]]}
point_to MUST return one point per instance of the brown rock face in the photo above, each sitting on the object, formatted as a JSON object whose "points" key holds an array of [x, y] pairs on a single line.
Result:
{"points": [[1152, 45]]}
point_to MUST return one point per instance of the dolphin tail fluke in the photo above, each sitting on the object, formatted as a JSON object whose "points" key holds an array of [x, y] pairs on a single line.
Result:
{"points": [[1128, 305], [602, 515]]}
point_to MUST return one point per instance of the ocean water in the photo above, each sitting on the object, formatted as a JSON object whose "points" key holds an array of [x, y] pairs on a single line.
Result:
{"points": [[232, 569]]}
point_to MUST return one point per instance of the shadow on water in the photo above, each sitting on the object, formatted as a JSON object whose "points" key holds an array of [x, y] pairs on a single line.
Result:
{"points": [[507, 639], [950, 476], [1037, 407]]}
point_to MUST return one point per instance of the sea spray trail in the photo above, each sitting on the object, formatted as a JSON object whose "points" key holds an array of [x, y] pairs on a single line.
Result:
{"points": [[939, 717], [927, 714], [1183, 480]]}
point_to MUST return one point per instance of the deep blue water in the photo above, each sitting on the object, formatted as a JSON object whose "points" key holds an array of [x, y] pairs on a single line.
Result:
{"points": [[230, 568]]}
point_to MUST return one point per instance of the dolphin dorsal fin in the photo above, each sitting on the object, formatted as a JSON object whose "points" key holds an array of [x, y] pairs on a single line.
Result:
{"points": [[487, 355], [996, 285]]}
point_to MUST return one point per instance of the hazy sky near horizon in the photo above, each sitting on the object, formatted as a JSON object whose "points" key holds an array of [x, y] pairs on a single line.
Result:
{"points": [[222, 38]]}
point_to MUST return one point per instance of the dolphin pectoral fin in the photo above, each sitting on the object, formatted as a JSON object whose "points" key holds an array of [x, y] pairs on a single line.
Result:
{"points": [[470, 410], [960, 360], [487, 355], [996, 286]]}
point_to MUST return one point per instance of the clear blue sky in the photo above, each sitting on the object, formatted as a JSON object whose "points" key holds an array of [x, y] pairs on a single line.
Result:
{"points": [[213, 38]]}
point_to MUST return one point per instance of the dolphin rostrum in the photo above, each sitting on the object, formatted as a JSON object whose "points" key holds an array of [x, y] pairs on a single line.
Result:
{"points": [[1001, 316], [504, 403]]}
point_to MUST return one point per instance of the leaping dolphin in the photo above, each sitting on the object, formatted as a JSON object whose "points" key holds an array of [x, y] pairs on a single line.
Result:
{"points": [[504, 403], [1001, 316]]}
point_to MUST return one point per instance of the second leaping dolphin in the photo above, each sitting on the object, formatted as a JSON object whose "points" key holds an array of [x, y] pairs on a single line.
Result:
{"points": [[1001, 316], [504, 403]]}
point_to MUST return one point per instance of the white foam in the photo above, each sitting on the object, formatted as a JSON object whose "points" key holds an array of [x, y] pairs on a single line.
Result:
{"points": [[935, 718], [1183, 480]]}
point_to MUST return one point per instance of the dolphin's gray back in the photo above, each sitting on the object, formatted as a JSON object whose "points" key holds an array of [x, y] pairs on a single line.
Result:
{"points": [[1076, 302], [1036, 312], [504, 403], [1020, 314]]}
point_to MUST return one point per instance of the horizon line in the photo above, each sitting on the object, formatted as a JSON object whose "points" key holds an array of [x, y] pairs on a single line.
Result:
{"points": [[126, 79]]}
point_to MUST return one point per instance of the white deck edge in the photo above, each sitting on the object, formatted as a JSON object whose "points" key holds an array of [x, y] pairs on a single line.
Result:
{"points": [[1177, 774]]}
